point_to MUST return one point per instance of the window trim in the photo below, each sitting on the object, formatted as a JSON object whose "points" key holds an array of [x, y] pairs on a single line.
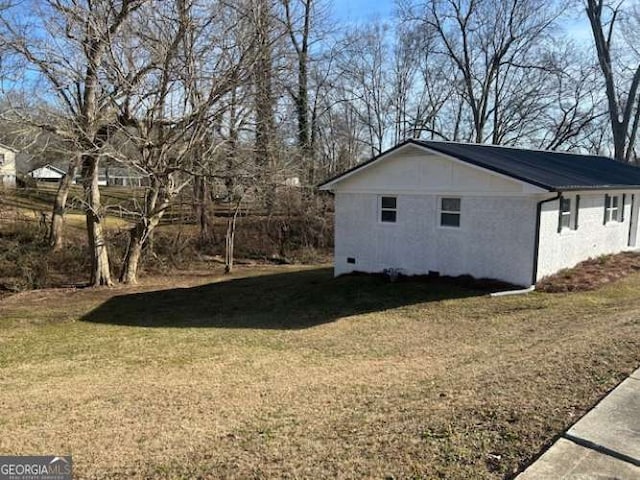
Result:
{"points": [[441, 211], [609, 209], [382, 209], [570, 216], [565, 215]]}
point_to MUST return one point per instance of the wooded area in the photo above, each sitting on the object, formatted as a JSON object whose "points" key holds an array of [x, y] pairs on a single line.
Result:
{"points": [[241, 101]]}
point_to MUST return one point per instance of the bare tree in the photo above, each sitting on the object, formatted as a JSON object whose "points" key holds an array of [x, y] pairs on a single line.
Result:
{"points": [[340, 131], [241, 176], [424, 84], [68, 53], [263, 22], [305, 24], [197, 55], [363, 64], [300, 40], [403, 75], [571, 108], [621, 92], [491, 44]]}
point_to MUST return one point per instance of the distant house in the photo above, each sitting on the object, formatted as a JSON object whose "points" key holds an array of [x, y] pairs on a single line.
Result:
{"points": [[7, 166], [107, 176], [123, 176], [487, 211], [47, 173]]}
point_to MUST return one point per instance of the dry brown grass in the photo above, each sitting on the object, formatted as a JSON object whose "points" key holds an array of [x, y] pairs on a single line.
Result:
{"points": [[288, 373]]}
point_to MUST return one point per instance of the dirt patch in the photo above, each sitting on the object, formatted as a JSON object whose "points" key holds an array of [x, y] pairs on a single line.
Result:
{"points": [[592, 273]]}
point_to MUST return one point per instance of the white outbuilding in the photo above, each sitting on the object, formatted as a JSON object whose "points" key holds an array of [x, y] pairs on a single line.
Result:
{"points": [[47, 173], [510, 214]]}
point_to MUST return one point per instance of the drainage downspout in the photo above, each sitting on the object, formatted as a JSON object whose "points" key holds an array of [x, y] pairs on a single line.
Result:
{"points": [[513, 292], [536, 246]]}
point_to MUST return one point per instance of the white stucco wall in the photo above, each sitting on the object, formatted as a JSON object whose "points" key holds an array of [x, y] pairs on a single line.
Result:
{"points": [[591, 239], [8, 169], [495, 239]]}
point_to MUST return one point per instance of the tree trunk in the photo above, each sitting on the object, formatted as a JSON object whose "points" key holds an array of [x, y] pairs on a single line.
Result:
{"points": [[202, 204], [142, 231], [620, 108], [619, 139], [100, 273], [264, 103], [229, 240], [138, 238], [129, 272], [56, 230]]}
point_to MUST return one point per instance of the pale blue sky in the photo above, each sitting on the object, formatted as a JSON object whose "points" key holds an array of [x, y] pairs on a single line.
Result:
{"points": [[356, 11]]}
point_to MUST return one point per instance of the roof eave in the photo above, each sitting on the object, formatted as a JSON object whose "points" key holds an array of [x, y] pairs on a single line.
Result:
{"points": [[574, 188]]}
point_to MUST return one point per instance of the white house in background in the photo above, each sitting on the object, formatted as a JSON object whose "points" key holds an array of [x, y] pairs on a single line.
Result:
{"points": [[47, 173], [107, 176], [123, 176], [487, 211], [7, 166]]}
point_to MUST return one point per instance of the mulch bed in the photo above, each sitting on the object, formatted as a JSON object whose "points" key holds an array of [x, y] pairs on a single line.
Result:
{"points": [[592, 273]]}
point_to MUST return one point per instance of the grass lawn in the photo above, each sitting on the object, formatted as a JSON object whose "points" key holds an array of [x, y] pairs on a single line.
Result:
{"points": [[285, 372]]}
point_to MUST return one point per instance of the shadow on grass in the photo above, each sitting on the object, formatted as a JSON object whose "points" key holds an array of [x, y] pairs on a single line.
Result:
{"points": [[291, 300]]}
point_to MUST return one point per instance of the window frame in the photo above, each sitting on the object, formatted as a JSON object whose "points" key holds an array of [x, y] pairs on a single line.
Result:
{"points": [[442, 212], [610, 209], [565, 215], [382, 209], [568, 218]]}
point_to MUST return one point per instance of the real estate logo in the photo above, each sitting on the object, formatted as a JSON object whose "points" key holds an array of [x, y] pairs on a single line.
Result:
{"points": [[35, 468]]}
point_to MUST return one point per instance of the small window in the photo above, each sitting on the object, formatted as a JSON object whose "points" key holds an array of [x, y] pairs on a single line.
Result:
{"points": [[1, 159], [611, 208], [450, 212], [388, 209], [565, 212]]}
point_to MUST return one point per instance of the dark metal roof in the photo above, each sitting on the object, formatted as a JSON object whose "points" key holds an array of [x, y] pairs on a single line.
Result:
{"points": [[554, 171], [551, 170]]}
